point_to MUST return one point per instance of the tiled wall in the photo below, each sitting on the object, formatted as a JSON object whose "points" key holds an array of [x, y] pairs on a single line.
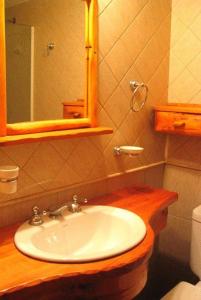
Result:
{"points": [[183, 172], [134, 45]]}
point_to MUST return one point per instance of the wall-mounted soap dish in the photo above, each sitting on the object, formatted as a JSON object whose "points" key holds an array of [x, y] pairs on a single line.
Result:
{"points": [[129, 150]]}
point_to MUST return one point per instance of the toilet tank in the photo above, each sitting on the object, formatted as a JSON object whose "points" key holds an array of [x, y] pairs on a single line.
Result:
{"points": [[195, 254]]}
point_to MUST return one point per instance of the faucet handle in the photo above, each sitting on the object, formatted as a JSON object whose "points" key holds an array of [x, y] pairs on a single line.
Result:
{"points": [[75, 204], [36, 216], [76, 200]]}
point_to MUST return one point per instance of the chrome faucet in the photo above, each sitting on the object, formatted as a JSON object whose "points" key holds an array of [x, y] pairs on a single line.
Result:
{"points": [[36, 218], [57, 212], [73, 206]]}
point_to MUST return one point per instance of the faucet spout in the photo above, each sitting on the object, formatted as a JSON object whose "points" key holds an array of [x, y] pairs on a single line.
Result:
{"points": [[58, 212]]}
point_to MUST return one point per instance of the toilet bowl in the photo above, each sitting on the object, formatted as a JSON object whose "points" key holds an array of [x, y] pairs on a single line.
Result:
{"points": [[185, 290]]}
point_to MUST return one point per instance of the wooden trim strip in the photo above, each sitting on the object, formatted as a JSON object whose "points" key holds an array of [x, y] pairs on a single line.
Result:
{"points": [[2, 72], [179, 107], [183, 165], [92, 62], [53, 135], [160, 163], [46, 126], [86, 100]]}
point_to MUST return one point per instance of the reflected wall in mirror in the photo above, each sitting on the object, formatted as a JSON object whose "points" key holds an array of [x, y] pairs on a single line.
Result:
{"points": [[89, 105], [46, 60]]}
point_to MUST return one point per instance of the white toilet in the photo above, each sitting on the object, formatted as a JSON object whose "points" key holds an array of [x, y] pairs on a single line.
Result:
{"points": [[185, 290]]}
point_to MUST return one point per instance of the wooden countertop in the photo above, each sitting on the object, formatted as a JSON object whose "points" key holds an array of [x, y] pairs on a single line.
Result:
{"points": [[18, 271]]}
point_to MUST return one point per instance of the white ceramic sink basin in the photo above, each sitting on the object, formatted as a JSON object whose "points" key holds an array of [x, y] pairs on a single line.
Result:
{"points": [[97, 232]]}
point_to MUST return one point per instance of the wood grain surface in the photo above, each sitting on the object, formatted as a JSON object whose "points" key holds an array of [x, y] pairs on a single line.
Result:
{"points": [[53, 135], [119, 277], [178, 123], [180, 107]]}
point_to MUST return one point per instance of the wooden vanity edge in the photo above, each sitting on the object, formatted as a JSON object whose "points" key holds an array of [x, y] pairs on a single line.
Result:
{"points": [[179, 107], [145, 201]]}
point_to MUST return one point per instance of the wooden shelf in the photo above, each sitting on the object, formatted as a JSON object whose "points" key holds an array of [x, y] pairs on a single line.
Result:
{"points": [[60, 134], [181, 119]]}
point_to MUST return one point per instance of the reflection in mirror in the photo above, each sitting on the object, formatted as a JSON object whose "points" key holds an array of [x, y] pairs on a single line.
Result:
{"points": [[46, 59]]}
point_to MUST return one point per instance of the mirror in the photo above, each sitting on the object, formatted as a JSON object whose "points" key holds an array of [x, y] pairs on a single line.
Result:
{"points": [[60, 69], [45, 59]]}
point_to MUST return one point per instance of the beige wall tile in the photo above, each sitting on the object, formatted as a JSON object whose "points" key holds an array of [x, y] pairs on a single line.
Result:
{"points": [[89, 153], [187, 183], [184, 159], [176, 68], [133, 39], [195, 68], [117, 106], [111, 27], [44, 164], [196, 98], [20, 154], [125, 180], [178, 29], [66, 177], [5, 159], [115, 20], [158, 87], [68, 164], [185, 152], [102, 5], [132, 127], [195, 26], [183, 88], [107, 82], [187, 47], [64, 147], [102, 141], [174, 241], [154, 52], [152, 144], [154, 176], [186, 10], [119, 60]]}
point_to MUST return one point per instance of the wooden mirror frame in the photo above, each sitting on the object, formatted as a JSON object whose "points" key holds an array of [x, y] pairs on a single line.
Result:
{"points": [[27, 128]]}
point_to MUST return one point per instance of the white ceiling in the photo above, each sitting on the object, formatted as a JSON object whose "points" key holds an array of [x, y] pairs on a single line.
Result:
{"points": [[10, 3]]}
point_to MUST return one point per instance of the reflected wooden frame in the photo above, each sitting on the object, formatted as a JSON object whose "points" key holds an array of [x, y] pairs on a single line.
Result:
{"points": [[91, 86]]}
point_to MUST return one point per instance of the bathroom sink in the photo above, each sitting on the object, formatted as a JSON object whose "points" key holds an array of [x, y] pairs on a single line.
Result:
{"points": [[95, 233]]}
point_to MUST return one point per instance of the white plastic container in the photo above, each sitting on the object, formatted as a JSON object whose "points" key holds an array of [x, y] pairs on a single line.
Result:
{"points": [[8, 179]]}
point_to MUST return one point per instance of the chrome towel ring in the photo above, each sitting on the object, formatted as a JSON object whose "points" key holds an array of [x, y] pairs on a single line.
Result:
{"points": [[135, 86]]}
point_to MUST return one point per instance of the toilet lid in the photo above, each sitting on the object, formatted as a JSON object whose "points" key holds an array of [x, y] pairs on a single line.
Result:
{"points": [[184, 291]]}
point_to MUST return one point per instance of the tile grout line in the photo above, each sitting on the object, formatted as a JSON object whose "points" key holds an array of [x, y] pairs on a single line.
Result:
{"points": [[124, 30]]}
